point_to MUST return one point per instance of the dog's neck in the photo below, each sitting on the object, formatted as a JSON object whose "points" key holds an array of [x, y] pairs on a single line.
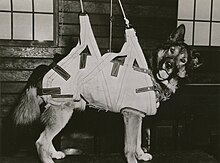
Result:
{"points": [[164, 89], [160, 90]]}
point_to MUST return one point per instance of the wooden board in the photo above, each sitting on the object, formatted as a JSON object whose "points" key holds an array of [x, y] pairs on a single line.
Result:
{"points": [[104, 8], [22, 63], [29, 52], [14, 75], [12, 87]]}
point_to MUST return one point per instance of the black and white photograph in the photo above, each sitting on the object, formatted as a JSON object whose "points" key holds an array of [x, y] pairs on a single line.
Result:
{"points": [[109, 81]]}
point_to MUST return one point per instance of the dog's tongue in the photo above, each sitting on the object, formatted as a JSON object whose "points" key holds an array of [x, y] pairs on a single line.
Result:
{"points": [[162, 75]]}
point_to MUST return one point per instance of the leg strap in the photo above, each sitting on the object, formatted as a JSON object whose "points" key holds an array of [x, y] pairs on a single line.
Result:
{"points": [[49, 91]]}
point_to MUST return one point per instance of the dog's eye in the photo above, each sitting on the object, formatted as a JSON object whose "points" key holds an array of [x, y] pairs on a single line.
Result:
{"points": [[183, 60], [169, 65], [172, 50]]}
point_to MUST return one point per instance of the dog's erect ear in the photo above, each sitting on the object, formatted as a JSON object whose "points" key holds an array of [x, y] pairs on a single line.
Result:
{"points": [[178, 34]]}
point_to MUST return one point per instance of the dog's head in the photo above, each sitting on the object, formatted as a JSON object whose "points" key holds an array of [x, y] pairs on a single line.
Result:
{"points": [[174, 61]]}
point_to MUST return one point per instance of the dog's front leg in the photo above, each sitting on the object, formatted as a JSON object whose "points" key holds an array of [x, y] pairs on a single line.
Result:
{"points": [[133, 128], [132, 121], [141, 155]]}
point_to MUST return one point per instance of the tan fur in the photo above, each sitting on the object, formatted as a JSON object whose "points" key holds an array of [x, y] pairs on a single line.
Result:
{"points": [[55, 117], [27, 109]]}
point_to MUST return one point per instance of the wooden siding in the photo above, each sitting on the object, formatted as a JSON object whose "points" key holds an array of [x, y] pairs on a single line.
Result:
{"points": [[152, 19]]}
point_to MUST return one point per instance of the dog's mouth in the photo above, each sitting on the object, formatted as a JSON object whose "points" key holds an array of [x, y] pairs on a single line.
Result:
{"points": [[162, 75], [170, 85]]}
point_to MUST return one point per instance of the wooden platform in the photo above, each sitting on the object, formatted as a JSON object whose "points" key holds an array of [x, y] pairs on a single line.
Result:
{"points": [[163, 157]]}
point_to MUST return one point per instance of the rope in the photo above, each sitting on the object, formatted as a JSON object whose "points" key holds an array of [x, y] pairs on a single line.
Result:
{"points": [[62, 20], [81, 4], [123, 12], [110, 28]]}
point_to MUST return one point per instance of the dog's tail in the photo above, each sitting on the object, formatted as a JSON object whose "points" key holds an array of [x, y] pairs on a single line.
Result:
{"points": [[27, 109]]}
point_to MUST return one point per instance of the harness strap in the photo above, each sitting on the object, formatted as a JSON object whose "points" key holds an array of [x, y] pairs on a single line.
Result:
{"points": [[145, 89], [65, 75], [83, 57], [61, 96], [49, 91], [144, 70], [117, 62], [156, 88]]}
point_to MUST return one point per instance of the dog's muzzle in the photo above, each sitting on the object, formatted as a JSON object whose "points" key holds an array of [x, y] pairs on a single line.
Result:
{"points": [[162, 75]]}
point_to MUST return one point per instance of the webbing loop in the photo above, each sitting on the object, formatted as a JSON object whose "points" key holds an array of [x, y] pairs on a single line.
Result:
{"points": [[123, 12], [81, 4]]}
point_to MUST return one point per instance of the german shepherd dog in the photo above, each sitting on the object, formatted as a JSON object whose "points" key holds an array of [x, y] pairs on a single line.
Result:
{"points": [[172, 62]]}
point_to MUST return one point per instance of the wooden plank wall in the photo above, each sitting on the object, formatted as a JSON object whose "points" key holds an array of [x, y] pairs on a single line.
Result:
{"points": [[153, 20]]}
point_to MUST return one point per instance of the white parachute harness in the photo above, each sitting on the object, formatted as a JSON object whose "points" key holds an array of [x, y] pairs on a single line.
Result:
{"points": [[110, 82]]}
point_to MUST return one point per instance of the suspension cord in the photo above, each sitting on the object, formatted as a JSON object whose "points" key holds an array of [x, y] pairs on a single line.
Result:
{"points": [[81, 4], [123, 12], [62, 20], [110, 27]]}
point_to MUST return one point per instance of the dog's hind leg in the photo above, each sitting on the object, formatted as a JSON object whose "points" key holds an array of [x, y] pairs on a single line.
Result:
{"points": [[55, 118]]}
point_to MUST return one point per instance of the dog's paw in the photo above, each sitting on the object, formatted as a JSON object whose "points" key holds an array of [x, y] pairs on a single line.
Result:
{"points": [[58, 155], [144, 157]]}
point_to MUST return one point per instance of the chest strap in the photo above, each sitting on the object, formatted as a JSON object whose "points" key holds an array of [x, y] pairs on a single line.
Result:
{"points": [[156, 87], [144, 70], [145, 89], [65, 75]]}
